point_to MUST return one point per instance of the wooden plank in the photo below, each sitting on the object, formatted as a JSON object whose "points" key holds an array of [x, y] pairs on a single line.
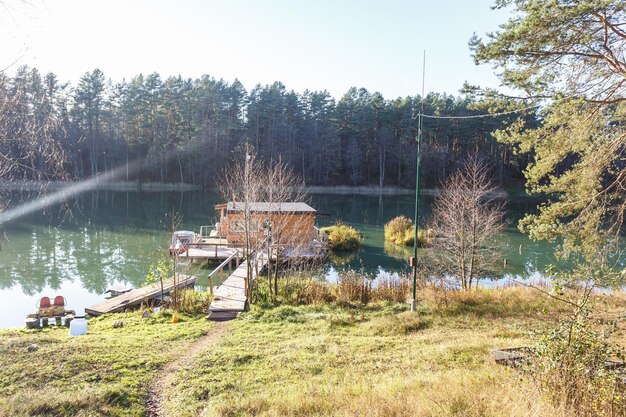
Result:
{"points": [[139, 295], [231, 295], [511, 356], [207, 253]]}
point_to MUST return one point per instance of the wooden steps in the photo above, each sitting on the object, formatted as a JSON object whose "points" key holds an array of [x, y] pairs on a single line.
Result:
{"points": [[139, 295], [230, 297]]}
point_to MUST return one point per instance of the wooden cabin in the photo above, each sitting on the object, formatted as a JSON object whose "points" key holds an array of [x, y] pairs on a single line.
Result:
{"points": [[286, 224]]}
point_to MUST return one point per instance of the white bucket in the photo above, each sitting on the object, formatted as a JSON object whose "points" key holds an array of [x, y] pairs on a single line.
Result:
{"points": [[78, 327]]}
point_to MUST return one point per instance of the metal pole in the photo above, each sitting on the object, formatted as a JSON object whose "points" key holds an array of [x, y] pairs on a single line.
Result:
{"points": [[417, 182]]}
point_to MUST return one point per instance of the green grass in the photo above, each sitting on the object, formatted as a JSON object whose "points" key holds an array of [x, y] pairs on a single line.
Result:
{"points": [[327, 359], [106, 372], [380, 360]]}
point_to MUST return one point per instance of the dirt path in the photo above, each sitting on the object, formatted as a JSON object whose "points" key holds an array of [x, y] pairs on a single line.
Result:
{"points": [[165, 378]]}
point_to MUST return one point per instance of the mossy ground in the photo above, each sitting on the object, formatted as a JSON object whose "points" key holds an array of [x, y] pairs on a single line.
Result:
{"points": [[106, 372]]}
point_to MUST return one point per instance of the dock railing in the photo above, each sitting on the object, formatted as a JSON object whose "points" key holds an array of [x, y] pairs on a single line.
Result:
{"points": [[257, 254], [205, 231], [204, 245], [220, 268], [319, 235]]}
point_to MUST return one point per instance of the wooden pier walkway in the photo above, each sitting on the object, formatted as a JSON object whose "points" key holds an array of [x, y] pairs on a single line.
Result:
{"points": [[139, 295], [230, 297], [215, 253]]}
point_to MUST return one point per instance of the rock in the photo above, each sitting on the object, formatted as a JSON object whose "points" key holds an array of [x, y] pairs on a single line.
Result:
{"points": [[32, 347], [146, 315], [117, 324]]}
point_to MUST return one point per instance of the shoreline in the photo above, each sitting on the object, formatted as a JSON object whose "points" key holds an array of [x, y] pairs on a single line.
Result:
{"points": [[136, 186], [106, 186], [358, 189]]}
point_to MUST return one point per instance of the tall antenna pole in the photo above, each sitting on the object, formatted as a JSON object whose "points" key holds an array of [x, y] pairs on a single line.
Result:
{"points": [[417, 186]]}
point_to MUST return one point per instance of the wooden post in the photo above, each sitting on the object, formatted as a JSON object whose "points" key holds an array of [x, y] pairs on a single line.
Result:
{"points": [[230, 261], [237, 258], [216, 250], [221, 279], [211, 283]]}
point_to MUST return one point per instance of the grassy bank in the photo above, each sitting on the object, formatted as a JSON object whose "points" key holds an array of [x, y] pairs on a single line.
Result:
{"points": [[106, 372], [378, 360], [334, 357]]}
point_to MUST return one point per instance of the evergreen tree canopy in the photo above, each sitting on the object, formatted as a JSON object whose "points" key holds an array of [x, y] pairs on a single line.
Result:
{"points": [[569, 56]]}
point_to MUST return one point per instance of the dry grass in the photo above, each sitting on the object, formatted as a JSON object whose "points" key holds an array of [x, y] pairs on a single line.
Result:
{"points": [[376, 360]]}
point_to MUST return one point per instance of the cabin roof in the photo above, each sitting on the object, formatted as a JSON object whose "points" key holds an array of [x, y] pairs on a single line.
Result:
{"points": [[234, 206]]}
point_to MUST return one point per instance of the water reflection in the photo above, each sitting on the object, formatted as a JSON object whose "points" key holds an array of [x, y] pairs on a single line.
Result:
{"points": [[100, 239]]}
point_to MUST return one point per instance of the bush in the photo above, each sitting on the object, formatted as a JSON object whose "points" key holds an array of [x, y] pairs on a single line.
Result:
{"points": [[342, 237], [570, 367], [401, 231]]}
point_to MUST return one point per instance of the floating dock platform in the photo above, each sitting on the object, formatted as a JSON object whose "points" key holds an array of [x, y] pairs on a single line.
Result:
{"points": [[139, 295]]}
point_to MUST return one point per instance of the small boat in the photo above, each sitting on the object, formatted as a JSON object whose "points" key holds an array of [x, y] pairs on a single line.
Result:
{"points": [[181, 239], [47, 310]]}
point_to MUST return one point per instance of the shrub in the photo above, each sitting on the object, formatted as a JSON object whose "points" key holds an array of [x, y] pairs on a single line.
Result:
{"points": [[571, 368], [342, 237], [401, 231]]}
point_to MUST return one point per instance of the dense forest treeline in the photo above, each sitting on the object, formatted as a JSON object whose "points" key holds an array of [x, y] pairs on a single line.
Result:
{"points": [[184, 130]]}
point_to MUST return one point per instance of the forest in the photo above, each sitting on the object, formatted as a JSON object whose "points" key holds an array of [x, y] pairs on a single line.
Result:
{"points": [[184, 130]]}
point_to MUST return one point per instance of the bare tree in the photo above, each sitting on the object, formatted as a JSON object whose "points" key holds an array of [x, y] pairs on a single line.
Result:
{"points": [[284, 185], [249, 180], [174, 220], [466, 219], [242, 182]]}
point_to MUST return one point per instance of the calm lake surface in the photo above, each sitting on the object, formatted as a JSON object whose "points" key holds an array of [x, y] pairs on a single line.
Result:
{"points": [[101, 239]]}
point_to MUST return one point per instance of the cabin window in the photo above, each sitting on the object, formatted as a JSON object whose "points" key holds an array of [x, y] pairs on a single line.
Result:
{"points": [[239, 226]]}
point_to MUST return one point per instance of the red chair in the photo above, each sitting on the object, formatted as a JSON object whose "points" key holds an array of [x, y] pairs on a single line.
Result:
{"points": [[59, 305], [45, 309], [44, 302]]}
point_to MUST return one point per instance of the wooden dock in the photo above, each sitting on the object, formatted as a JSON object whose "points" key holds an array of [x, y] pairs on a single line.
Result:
{"points": [[139, 295], [230, 297], [215, 253]]}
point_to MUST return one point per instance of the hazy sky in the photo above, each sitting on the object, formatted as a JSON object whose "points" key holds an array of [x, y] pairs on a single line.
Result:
{"points": [[312, 44]]}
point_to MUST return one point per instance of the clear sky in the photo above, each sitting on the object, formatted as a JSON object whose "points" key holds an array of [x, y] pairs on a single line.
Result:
{"points": [[312, 44]]}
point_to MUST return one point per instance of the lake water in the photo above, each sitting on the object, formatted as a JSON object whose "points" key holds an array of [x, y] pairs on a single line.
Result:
{"points": [[101, 239]]}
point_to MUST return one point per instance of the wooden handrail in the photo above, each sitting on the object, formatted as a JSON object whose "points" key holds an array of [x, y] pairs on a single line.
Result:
{"points": [[200, 244], [221, 266], [320, 235]]}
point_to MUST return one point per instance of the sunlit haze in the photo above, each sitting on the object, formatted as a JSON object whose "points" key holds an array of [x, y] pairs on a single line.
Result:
{"points": [[318, 45]]}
